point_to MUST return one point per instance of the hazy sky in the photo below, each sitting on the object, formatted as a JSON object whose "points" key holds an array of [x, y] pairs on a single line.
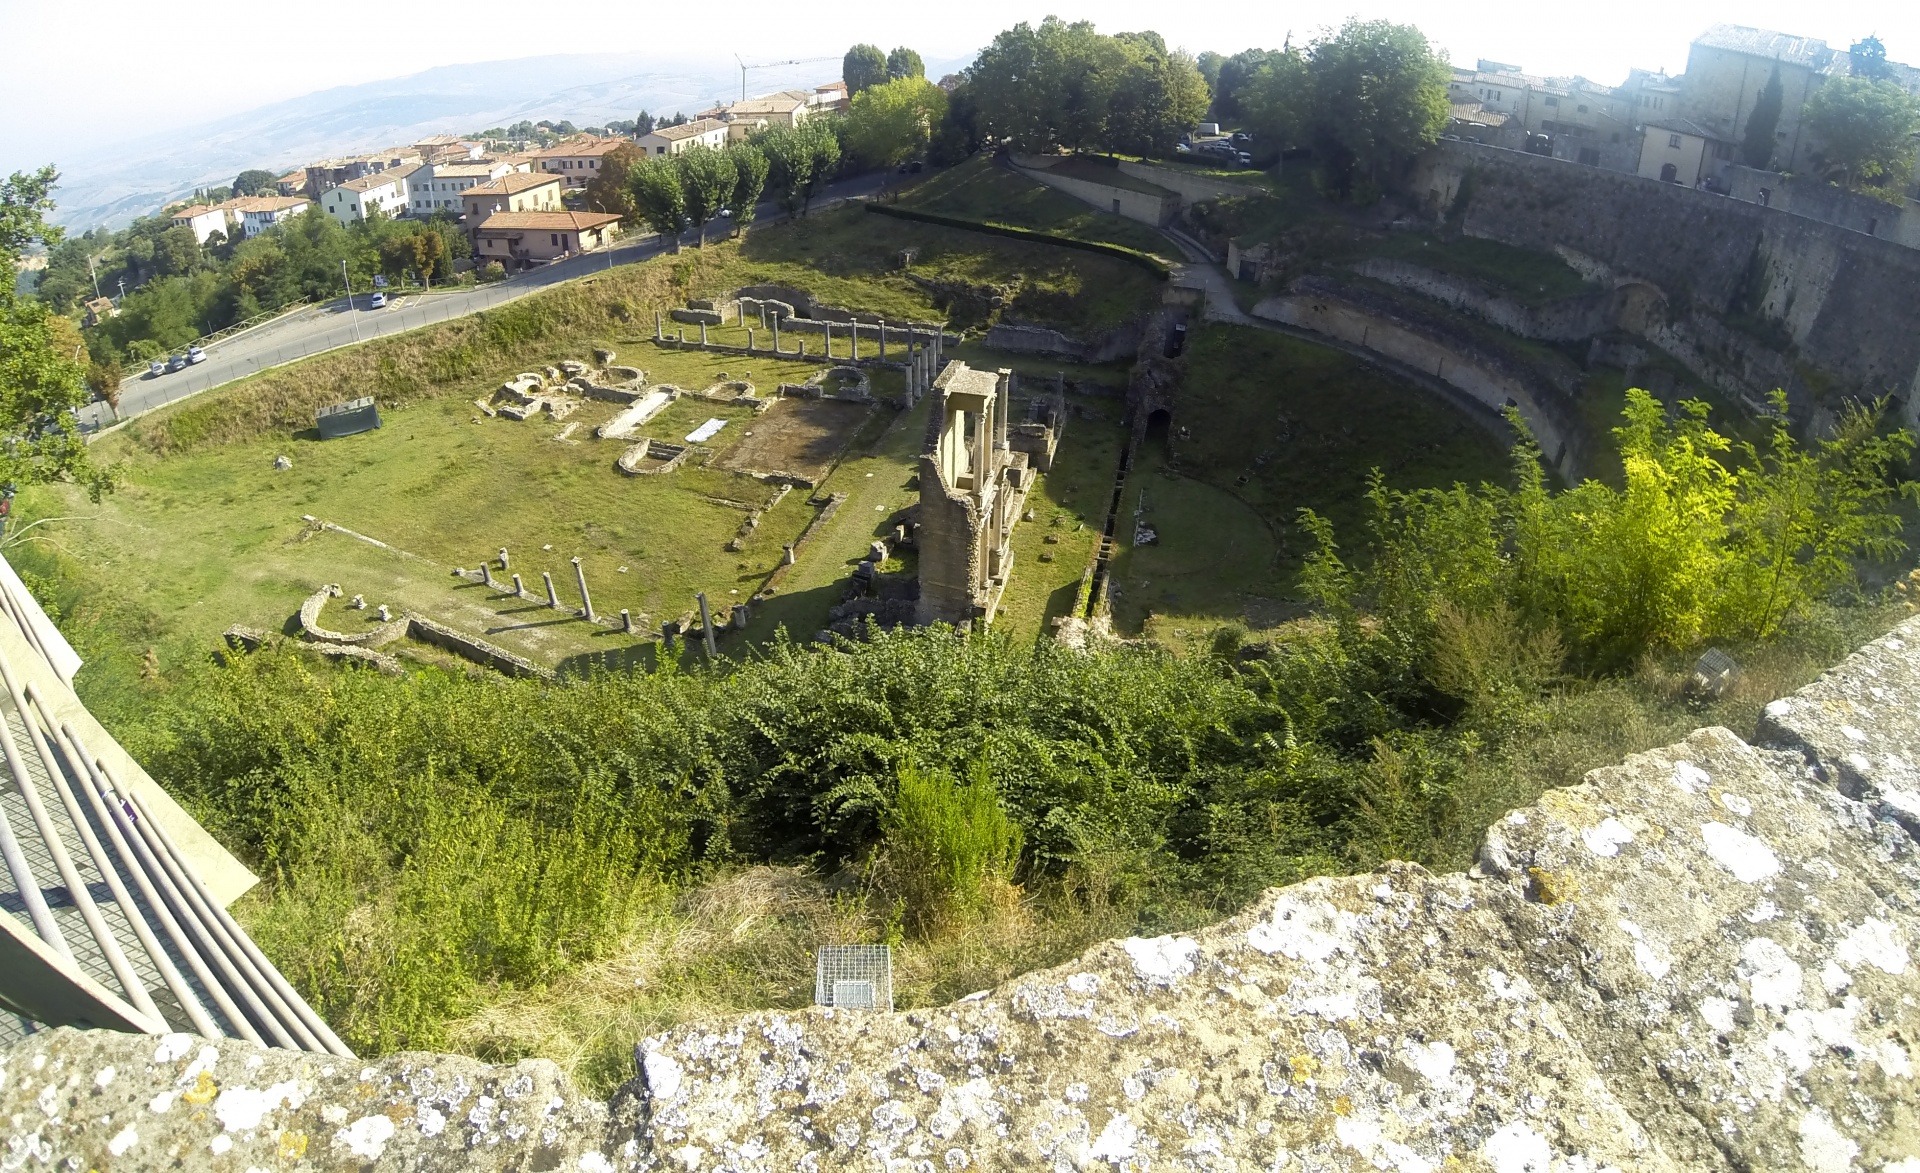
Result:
{"points": [[114, 69]]}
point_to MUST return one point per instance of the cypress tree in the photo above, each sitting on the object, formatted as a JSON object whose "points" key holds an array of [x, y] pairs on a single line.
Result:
{"points": [[1757, 149]]}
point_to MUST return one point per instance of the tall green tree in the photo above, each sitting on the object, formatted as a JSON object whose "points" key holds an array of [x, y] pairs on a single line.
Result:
{"points": [[1763, 123], [904, 62], [708, 177], [863, 66], [800, 159], [1160, 97], [1231, 77], [1865, 130], [889, 124], [1209, 64], [42, 377], [1379, 97], [1869, 59], [750, 180], [254, 181], [609, 190], [658, 197]]}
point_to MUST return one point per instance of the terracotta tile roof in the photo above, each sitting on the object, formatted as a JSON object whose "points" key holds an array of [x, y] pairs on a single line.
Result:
{"points": [[547, 221], [689, 129], [1736, 38], [515, 182], [270, 203], [464, 171], [577, 150], [367, 183]]}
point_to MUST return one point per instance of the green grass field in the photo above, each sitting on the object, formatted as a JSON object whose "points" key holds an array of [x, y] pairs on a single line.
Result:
{"points": [[982, 189], [1268, 425]]}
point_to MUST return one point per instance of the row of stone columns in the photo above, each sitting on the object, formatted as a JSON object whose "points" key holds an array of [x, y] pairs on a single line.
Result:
{"points": [[737, 617], [923, 364]]}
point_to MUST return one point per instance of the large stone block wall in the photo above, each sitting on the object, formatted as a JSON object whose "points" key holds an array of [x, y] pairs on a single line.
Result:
{"points": [[1699, 959], [1816, 200], [1844, 298]]}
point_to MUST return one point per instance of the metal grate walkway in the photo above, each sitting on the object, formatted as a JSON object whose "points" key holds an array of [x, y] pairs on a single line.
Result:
{"points": [[104, 922]]}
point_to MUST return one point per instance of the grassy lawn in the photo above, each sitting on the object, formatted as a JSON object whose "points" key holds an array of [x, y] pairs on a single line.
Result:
{"points": [[1069, 506], [982, 189], [847, 257], [1272, 425]]}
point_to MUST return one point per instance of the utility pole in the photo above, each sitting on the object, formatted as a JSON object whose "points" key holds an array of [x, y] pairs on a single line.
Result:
{"points": [[96, 278], [344, 280]]}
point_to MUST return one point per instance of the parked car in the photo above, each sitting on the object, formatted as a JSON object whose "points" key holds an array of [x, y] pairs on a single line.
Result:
{"points": [[1242, 137], [177, 362], [156, 368], [1182, 149], [195, 355], [1246, 160], [377, 301]]}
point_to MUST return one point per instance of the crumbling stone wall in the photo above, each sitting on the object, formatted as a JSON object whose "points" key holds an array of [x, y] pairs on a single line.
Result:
{"points": [[1699, 959]]}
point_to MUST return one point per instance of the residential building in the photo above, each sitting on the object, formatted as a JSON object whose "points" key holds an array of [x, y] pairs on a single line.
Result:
{"points": [[754, 114], [521, 239], [438, 188], [357, 199], [1728, 66], [1677, 150], [448, 148], [513, 192], [99, 309], [831, 98], [577, 161], [672, 140], [293, 183], [204, 219], [331, 173], [259, 213]]}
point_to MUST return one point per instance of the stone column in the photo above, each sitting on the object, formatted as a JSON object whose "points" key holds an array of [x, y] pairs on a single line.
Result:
{"points": [[706, 624], [786, 556], [486, 571], [586, 600], [517, 588], [883, 340], [668, 630], [553, 597], [626, 621], [763, 315], [982, 455], [703, 333], [659, 328], [740, 616], [503, 559], [853, 331], [1003, 396], [749, 339], [776, 331], [826, 335]]}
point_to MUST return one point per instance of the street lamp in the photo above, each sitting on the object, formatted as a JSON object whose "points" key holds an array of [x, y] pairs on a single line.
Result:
{"points": [[344, 280]]}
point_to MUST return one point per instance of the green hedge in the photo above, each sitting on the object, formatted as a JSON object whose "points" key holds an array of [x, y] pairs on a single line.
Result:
{"points": [[1132, 256]]}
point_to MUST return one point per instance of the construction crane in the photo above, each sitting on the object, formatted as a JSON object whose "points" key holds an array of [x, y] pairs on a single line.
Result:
{"points": [[772, 64]]}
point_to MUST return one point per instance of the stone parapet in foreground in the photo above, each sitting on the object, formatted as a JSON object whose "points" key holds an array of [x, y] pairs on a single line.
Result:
{"points": [[1698, 959]]}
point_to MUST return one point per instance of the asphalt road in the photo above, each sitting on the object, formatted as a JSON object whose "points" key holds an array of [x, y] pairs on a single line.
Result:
{"points": [[319, 328]]}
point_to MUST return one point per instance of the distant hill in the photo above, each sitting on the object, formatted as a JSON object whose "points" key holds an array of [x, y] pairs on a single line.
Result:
{"points": [[113, 185]]}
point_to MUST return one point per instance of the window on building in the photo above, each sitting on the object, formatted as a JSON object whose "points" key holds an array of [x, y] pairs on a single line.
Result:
{"points": [[1550, 100], [1580, 109], [1673, 141]]}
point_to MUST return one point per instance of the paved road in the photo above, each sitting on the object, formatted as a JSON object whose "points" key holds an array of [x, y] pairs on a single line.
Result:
{"points": [[320, 328]]}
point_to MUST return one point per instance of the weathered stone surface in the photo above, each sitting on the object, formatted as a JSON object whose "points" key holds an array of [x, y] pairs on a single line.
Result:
{"points": [[113, 1101], [1698, 959]]}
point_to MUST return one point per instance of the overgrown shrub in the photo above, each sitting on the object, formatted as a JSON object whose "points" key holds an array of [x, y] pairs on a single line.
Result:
{"points": [[950, 850]]}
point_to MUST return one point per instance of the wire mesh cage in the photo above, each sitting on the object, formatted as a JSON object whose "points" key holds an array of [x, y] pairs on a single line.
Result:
{"points": [[854, 977]]}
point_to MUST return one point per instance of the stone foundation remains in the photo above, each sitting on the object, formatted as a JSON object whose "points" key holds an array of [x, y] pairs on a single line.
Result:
{"points": [[1700, 959]]}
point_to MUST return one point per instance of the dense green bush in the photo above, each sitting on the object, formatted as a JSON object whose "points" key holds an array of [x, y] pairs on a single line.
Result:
{"points": [[434, 843]]}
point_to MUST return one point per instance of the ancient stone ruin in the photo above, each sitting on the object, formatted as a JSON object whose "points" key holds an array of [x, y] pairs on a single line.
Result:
{"points": [[973, 483], [1700, 959]]}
